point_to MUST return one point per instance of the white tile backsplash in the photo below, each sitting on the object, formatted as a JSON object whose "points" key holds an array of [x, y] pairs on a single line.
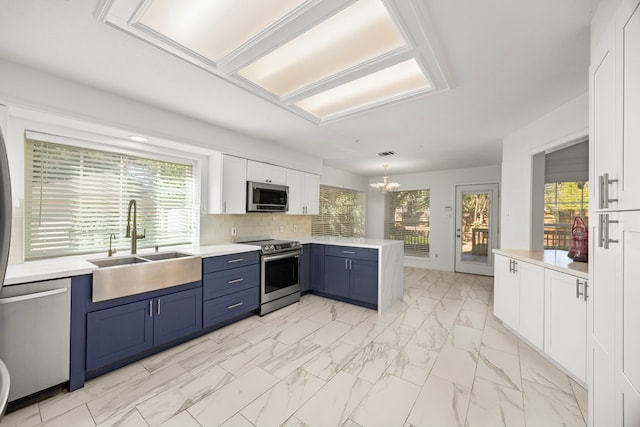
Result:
{"points": [[216, 229]]}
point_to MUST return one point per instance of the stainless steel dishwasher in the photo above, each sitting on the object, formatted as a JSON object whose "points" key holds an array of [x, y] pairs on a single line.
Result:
{"points": [[35, 335]]}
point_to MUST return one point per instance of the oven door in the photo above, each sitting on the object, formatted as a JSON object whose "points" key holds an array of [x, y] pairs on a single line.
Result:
{"points": [[279, 275]]}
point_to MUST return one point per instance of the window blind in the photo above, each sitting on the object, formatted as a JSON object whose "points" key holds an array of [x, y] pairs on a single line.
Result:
{"points": [[407, 217], [76, 197], [342, 213], [568, 164]]}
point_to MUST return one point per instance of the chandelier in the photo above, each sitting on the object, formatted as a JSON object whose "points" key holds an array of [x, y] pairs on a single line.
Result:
{"points": [[385, 186]]}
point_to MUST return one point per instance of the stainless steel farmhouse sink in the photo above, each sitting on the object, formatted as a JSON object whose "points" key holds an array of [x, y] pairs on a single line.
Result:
{"points": [[131, 275]]}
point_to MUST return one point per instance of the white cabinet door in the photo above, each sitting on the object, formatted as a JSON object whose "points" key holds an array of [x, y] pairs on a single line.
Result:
{"points": [[628, 95], [506, 294], [311, 194], [295, 182], [627, 233], [531, 282], [566, 321], [304, 193], [264, 172], [227, 184]]}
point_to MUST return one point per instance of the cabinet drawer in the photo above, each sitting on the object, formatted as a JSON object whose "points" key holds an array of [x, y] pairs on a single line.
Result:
{"points": [[226, 262], [351, 252], [233, 280], [229, 306]]}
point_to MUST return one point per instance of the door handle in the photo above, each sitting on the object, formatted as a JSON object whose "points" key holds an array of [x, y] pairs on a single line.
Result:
{"points": [[234, 305], [231, 282], [604, 183], [603, 232], [150, 308], [578, 293], [158, 307]]}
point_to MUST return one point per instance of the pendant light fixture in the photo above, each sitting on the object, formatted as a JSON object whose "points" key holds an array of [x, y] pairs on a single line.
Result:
{"points": [[385, 186]]}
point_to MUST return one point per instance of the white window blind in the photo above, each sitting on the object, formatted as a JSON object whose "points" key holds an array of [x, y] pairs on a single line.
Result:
{"points": [[407, 217], [76, 197], [342, 213]]}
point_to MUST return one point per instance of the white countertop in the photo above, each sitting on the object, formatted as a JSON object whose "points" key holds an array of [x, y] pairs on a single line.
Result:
{"points": [[55, 268], [350, 241], [549, 258]]}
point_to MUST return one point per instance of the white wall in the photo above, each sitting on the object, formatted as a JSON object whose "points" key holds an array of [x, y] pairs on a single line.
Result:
{"points": [[442, 186], [342, 179], [560, 127]]}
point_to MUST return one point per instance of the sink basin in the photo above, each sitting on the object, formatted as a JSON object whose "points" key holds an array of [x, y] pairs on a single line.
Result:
{"points": [[130, 275], [164, 255], [112, 262]]}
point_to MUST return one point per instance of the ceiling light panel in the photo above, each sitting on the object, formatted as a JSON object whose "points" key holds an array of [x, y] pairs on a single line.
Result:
{"points": [[358, 33], [214, 28], [400, 80]]}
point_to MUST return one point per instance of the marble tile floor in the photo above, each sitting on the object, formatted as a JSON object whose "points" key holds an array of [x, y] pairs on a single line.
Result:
{"points": [[437, 358]]}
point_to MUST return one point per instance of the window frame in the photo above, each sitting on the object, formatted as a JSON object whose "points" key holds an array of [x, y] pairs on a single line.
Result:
{"points": [[358, 194], [387, 235]]}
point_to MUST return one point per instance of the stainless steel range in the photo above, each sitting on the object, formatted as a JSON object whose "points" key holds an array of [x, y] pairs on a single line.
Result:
{"points": [[279, 281]]}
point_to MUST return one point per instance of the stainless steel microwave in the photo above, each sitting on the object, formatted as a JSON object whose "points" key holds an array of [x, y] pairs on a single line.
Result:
{"points": [[263, 197]]}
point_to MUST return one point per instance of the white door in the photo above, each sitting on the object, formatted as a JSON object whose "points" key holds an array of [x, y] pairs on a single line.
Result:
{"points": [[476, 228]]}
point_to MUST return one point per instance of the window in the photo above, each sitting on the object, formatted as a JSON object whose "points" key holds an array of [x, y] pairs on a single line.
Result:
{"points": [[341, 213], [563, 201], [407, 219], [76, 197]]}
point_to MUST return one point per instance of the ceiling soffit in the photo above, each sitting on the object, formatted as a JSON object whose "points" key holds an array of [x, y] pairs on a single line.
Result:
{"points": [[417, 48]]}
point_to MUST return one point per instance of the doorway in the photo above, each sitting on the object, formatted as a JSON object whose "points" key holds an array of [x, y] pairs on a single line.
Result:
{"points": [[476, 228]]}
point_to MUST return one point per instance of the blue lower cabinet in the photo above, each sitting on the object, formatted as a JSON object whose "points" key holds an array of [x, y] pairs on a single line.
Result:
{"points": [[117, 333], [123, 331], [227, 307], [336, 276], [364, 281], [177, 315]]}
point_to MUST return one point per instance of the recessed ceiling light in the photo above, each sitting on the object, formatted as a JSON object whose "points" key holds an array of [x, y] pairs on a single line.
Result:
{"points": [[214, 29], [359, 33], [400, 80], [138, 138]]}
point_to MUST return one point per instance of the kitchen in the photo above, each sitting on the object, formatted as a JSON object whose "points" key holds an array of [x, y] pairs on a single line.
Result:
{"points": [[54, 88]]}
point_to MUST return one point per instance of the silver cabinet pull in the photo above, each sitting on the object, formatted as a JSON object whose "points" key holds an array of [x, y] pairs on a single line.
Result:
{"points": [[603, 233], [515, 266], [349, 264], [158, 306], [604, 183], [231, 261], [346, 264], [150, 308], [586, 286], [510, 266], [348, 252], [234, 305], [231, 282], [578, 293]]}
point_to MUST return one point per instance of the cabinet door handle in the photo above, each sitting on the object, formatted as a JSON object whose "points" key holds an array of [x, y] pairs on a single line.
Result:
{"points": [[158, 307], [510, 266], [349, 264], [578, 293], [150, 308], [234, 306], [515, 266], [604, 225], [604, 191], [586, 286], [346, 264], [231, 282], [348, 252], [231, 261]]}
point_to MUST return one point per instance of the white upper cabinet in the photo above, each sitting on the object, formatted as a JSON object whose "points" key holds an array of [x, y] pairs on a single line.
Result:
{"points": [[304, 192], [264, 172], [227, 184]]}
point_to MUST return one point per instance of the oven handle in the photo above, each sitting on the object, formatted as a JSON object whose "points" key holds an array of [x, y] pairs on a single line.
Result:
{"points": [[288, 254]]}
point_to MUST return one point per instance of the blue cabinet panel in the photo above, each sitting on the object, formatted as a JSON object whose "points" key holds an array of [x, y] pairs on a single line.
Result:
{"points": [[305, 269], [229, 306], [233, 280], [177, 315], [364, 281], [351, 252], [117, 333], [317, 267], [336, 276], [218, 263]]}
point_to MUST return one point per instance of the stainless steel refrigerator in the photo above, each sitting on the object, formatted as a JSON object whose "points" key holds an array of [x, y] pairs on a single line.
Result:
{"points": [[5, 237]]}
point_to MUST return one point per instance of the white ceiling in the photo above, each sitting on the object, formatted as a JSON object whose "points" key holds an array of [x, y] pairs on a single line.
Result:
{"points": [[510, 62]]}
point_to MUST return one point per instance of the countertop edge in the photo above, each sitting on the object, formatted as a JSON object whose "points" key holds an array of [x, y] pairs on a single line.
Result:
{"points": [[542, 258]]}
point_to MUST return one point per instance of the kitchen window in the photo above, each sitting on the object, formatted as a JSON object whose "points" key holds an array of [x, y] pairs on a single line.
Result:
{"points": [[407, 218], [75, 197], [563, 201], [342, 213]]}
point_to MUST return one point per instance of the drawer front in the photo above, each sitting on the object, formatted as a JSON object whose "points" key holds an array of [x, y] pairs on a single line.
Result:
{"points": [[229, 306], [228, 281], [351, 252], [225, 262]]}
